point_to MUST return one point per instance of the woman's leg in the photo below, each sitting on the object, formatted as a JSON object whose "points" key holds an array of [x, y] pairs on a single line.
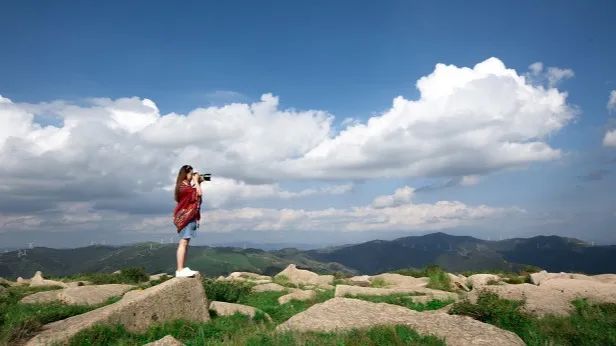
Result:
{"points": [[181, 253]]}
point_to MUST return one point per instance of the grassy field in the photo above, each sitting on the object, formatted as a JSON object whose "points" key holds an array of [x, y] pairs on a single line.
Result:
{"points": [[588, 324]]}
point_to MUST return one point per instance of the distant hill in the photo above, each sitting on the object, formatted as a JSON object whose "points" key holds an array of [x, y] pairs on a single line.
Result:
{"points": [[454, 253], [462, 253], [155, 258]]}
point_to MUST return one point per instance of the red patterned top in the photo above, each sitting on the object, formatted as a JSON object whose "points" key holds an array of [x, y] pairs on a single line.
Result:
{"points": [[187, 209]]}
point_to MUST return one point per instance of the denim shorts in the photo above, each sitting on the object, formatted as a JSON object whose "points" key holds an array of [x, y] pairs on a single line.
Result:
{"points": [[190, 231]]}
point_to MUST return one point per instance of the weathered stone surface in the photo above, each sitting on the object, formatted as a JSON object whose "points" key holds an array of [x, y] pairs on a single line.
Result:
{"points": [[166, 341], [248, 275], [81, 295], [41, 297], [478, 280], [177, 298], [77, 283], [359, 280], [402, 281], [605, 278], [268, 287], [5, 282], [159, 276], [303, 276], [458, 282], [343, 314], [37, 281], [22, 281], [552, 297], [227, 309], [348, 290], [297, 295]]}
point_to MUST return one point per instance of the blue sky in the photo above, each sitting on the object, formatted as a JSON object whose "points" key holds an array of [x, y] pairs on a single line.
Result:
{"points": [[347, 58]]}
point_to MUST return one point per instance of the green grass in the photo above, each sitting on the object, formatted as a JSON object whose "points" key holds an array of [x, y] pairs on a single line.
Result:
{"points": [[378, 282], [226, 291], [403, 299], [241, 330], [133, 275], [268, 302], [21, 321], [587, 325]]}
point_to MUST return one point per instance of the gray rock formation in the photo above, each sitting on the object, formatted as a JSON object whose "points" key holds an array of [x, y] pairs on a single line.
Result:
{"points": [[297, 295], [268, 287], [177, 298], [306, 277], [227, 309], [37, 281], [81, 295], [166, 341], [343, 314], [348, 290]]}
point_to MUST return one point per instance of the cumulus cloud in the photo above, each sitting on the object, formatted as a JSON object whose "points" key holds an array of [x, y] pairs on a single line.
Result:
{"points": [[122, 154], [610, 139], [611, 102], [552, 75]]}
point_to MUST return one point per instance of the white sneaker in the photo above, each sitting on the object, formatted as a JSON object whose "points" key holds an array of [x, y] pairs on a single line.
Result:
{"points": [[184, 273], [192, 271]]}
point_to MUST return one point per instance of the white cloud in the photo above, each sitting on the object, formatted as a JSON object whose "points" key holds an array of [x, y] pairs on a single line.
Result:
{"points": [[611, 102], [467, 122], [610, 139], [552, 76]]}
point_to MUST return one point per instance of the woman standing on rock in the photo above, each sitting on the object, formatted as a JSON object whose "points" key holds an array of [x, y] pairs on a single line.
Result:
{"points": [[186, 215]]}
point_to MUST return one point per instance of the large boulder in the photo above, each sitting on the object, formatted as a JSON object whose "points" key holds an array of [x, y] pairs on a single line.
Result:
{"points": [[478, 280], [359, 280], [228, 309], [6, 283], [349, 290], [268, 287], [249, 276], [177, 298], [344, 314], [297, 295], [22, 281], [166, 341], [458, 282], [605, 278], [37, 281], [304, 277], [81, 295], [552, 297], [401, 281]]}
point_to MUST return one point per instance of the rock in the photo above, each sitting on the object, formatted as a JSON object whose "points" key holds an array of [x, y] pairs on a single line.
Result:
{"points": [[344, 314], [478, 280], [458, 282], [348, 290], [22, 281], [304, 277], [41, 297], [117, 272], [38, 281], [605, 278], [401, 281], [268, 287], [248, 275], [554, 296], [158, 276], [227, 309], [92, 295], [359, 280], [538, 278], [297, 295], [177, 298], [6, 283], [220, 277], [81, 295], [77, 283], [166, 341]]}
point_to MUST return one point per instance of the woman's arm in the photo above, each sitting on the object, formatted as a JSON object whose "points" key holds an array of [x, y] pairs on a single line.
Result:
{"points": [[197, 186]]}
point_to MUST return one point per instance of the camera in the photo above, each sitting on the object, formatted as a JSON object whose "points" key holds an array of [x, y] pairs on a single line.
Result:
{"points": [[205, 176]]}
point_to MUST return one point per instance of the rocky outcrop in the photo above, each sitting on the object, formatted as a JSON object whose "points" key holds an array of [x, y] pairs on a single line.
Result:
{"points": [[177, 298], [543, 276], [306, 277], [478, 280], [268, 287], [166, 341], [458, 282], [248, 275], [159, 276], [228, 309], [22, 281], [6, 283], [552, 297], [37, 281], [348, 290], [605, 278], [297, 295], [393, 280], [81, 295], [359, 280], [344, 314]]}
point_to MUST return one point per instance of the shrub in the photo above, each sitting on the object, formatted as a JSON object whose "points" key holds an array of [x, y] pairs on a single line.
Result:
{"points": [[226, 290], [378, 282]]}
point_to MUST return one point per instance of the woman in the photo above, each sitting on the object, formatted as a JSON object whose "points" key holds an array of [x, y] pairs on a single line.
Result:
{"points": [[186, 215]]}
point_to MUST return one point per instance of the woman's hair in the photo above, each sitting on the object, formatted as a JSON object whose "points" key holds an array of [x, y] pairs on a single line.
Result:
{"points": [[184, 170]]}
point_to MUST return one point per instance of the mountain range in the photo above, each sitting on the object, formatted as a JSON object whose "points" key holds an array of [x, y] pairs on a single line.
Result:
{"points": [[453, 253]]}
